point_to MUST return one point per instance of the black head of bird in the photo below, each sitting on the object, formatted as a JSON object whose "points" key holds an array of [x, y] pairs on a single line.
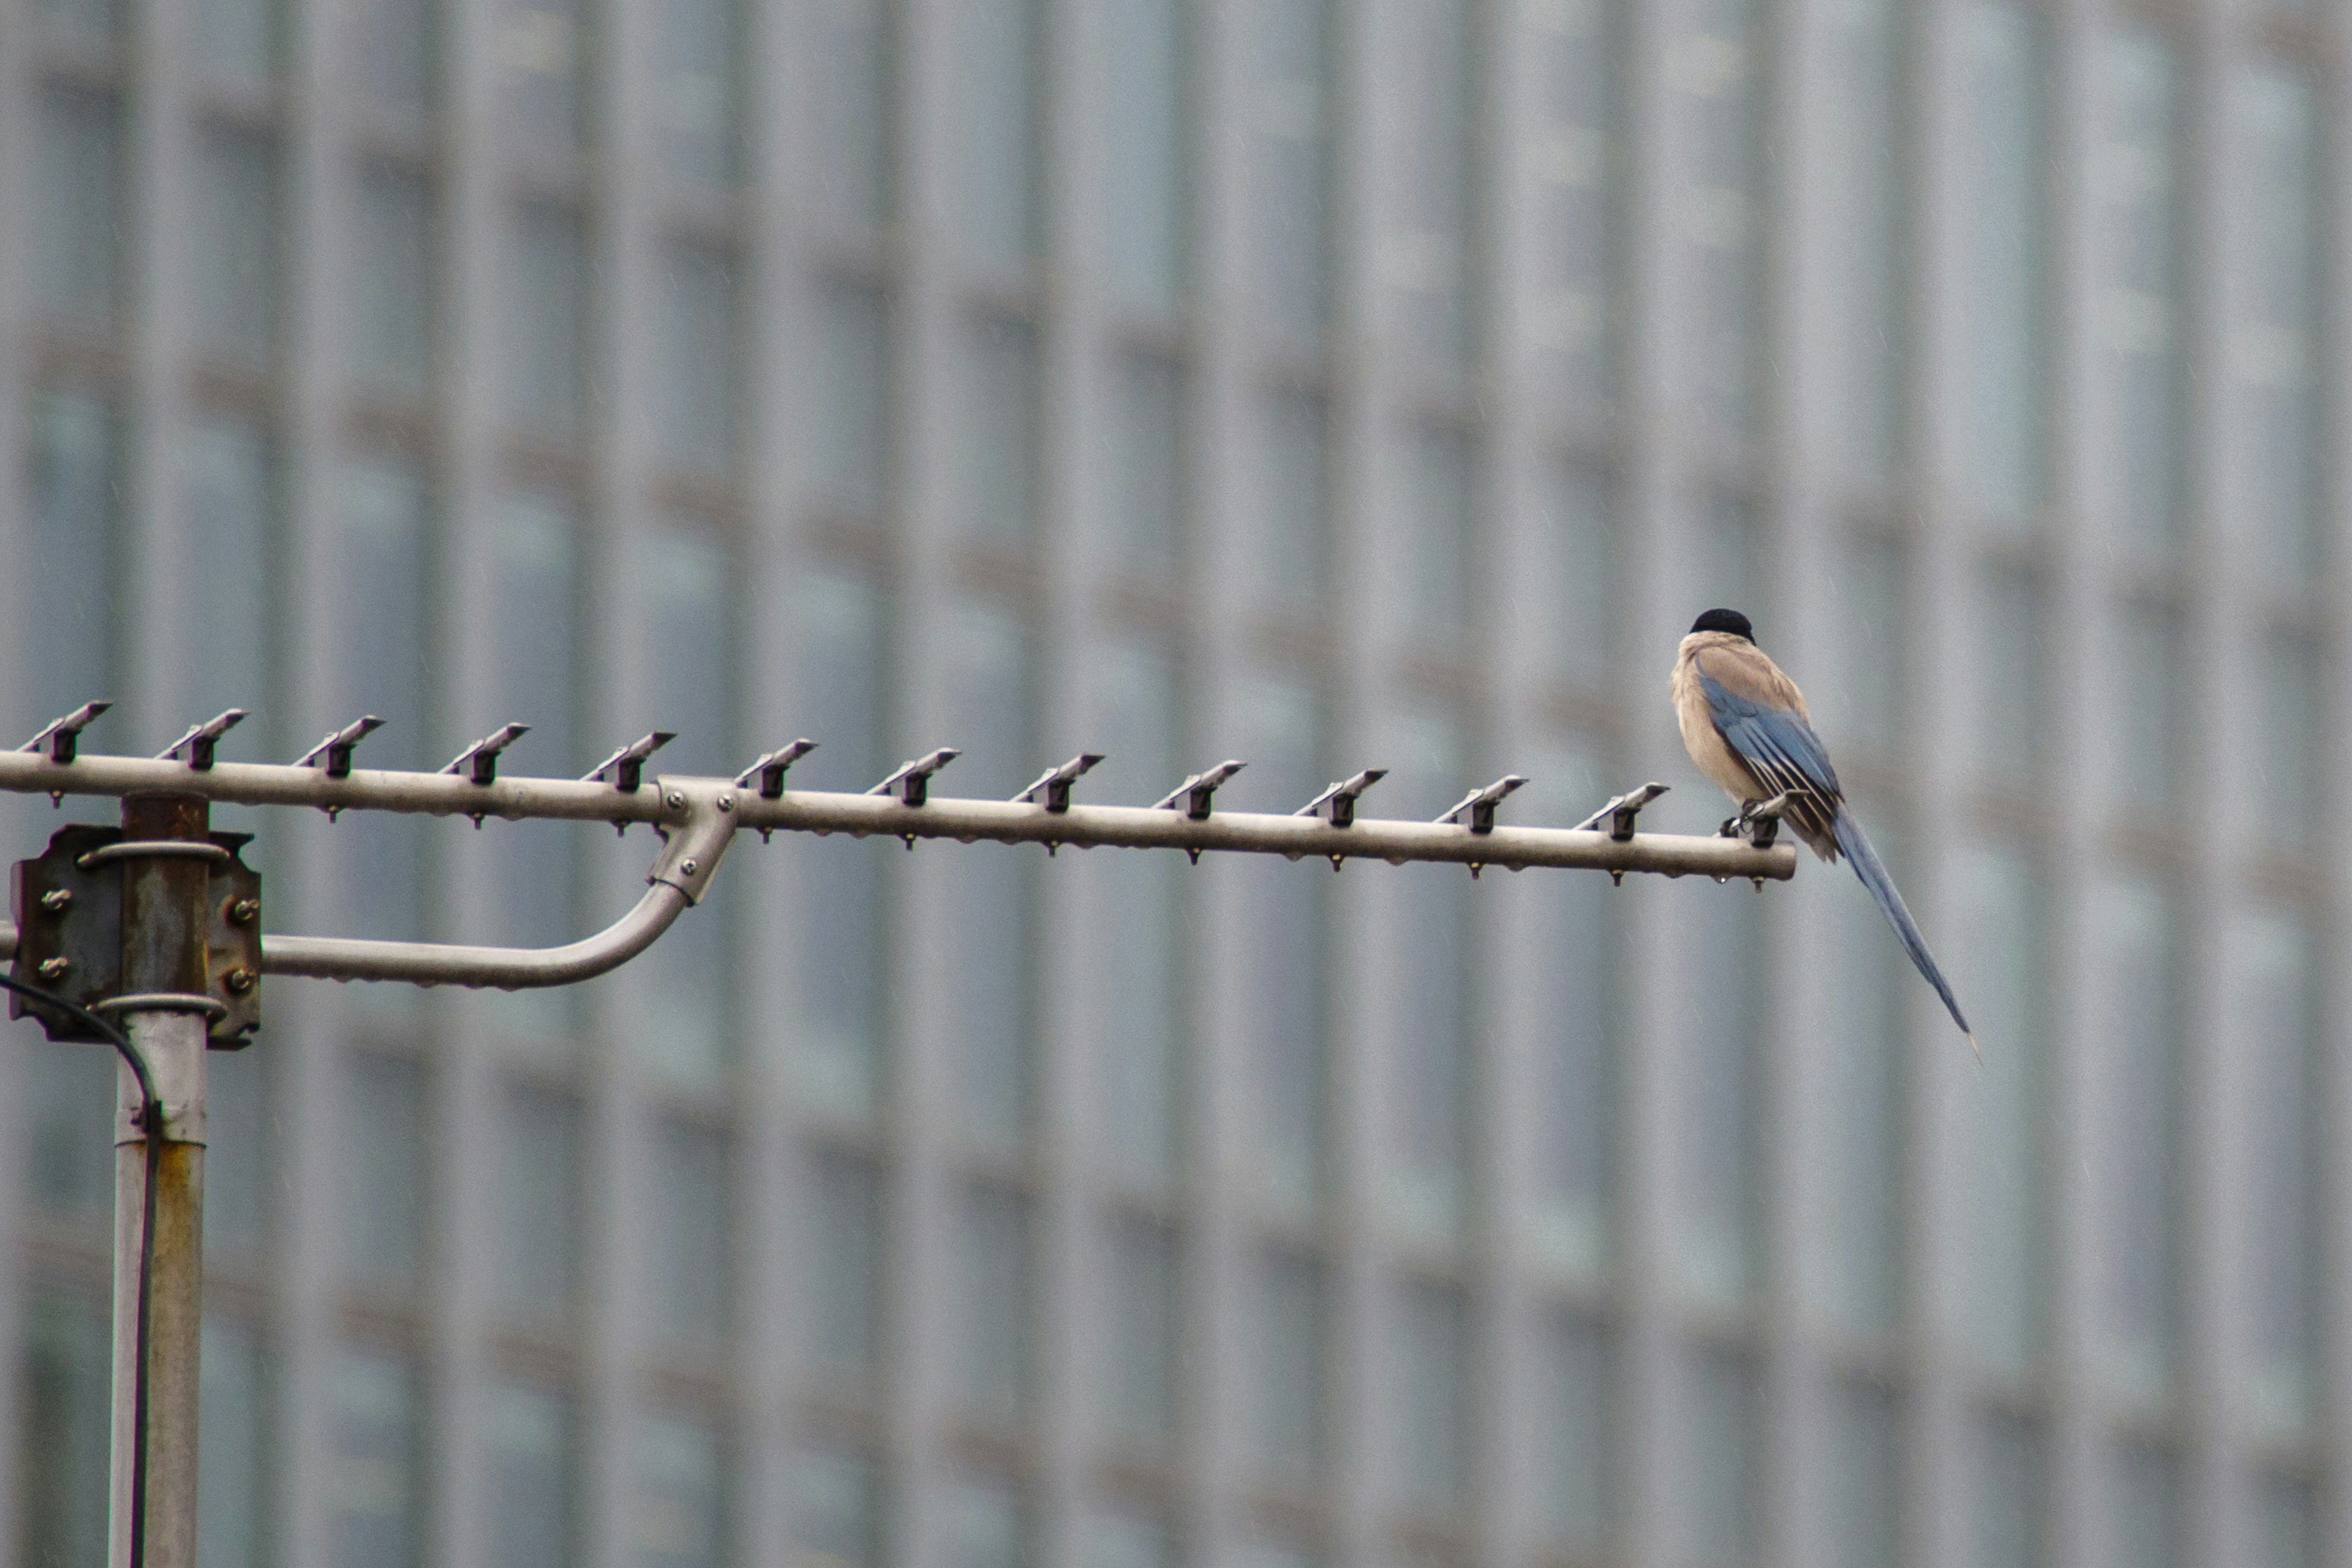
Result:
{"points": [[1730, 621]]}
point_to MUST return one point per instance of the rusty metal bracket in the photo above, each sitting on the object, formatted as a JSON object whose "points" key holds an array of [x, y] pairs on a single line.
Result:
{"points": [[69, 907]]}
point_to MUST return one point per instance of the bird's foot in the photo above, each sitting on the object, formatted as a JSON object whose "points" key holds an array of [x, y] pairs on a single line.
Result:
{"points": [[1737, 826]]}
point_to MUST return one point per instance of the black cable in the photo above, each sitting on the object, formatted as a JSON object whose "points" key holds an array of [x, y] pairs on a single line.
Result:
{"points": [[151, 1117]]}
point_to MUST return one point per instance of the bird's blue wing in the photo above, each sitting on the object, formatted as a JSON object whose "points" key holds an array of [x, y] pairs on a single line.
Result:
{"points": [[1779, 747]]}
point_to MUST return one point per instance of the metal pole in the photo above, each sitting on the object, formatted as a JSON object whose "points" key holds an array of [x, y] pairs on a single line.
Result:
{"points": [[165, 1006]]}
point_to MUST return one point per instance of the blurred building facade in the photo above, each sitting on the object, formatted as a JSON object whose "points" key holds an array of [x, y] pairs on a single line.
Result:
{"points": [[1319, 384]]}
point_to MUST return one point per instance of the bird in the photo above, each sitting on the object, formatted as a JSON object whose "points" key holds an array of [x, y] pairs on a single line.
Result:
{"points": [[1745, 728]]}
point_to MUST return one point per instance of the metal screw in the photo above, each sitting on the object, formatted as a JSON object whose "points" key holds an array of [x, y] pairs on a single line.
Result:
{"points": [[55, 968], [238, 981], [243, 911], [56, 900], [689, 866], [676, 801], [726, 802]]}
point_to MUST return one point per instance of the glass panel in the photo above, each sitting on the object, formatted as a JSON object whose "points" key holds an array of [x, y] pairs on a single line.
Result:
{"points": [[237, 1167], [1145, 187], [851, 404], [995, 1370], [2273, 1014], [1141, 1370], [1428, 258], [856, 102], [1581, 582], [230, 507], [399, 43], [546, 50], [1435, 1412], [689, 1255], [69, 1160], [232, 1412], [1729, 566], [2140, 323], [1290, 111], [2289, 775], [2148, 748], [1867, 104], [697, 103], [1289, 1369], [1147, 458], [1292, 528], [1573, 938], [1429, 1091], [2012, 1505], [681, 993], [237, 41], [239, 268], [1437, 566], [73, 566], [546, 325], [91, 25], [375, 1469], [1864, 1508], [700, 424], [1139, 908], [2138, 1143], [1859, 1105], [77, 239], [999, 112], [2009, 722], [1725, 71], [982, 1524], [2144, 1509], [1719, 1449], [1124, 1541], [1865, 706], [679, 1514], [999, 439], [1721, 1027], [531, 555], [385, 638], [533, 1489], [2274, 344], [845, 1311], [384, 1197], [1576, 1475], [392, 281], [542, 1178], [836, 1511], [2003, 904], [2003, 261], [64, 1403], [1578, 158], [2286, 1524], [843, 625], [1286, 976], [992, 897]]}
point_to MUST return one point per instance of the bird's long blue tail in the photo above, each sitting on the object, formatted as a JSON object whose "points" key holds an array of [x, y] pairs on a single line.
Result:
{"points": [[1872, 872]]}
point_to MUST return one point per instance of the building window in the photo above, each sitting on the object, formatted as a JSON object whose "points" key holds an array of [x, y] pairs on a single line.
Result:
{"points": [[78, 240], [2275, 348], [547, 321], [1582, 585], [2004, 928], [2003, 262], [230, 503], [2274, 1011], [1428, 258], [700, 418], [2140, 318], [390, 282], [375, 1463], [1723, 61], [696, 106], [542, 1189], [836, 1509], [1148, 467], [2136, 1147], [1721, 1028], [1579, 156], [533, 1495], [544, 50], [1291, 109], [1718, 1440], [1865, 186], [855, 105], [239, 274], [1575, 1404], [1434, 1408], [995, 1372], [845, 1301], [851, 403], [1142, 1369], [398, 43], [1143, 69], [999, 112], [238, 41], [1290, 1390], [384, 1196], [693, 1245], [73, 565], [1293, 526], [386, 667], [1431, 1067]]}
